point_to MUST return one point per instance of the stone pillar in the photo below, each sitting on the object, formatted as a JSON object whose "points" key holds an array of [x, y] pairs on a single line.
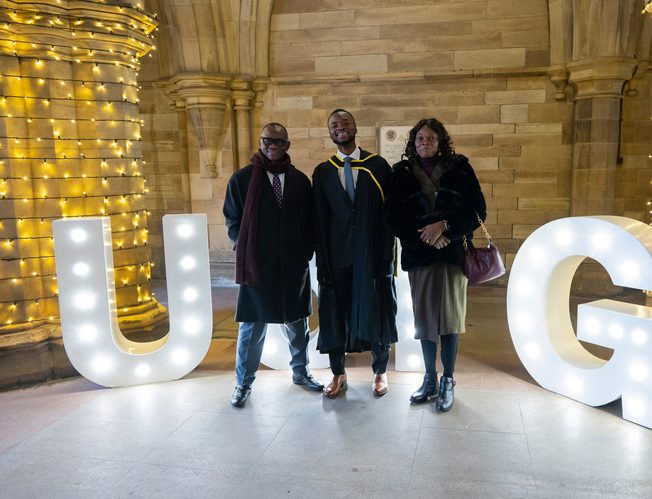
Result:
{"points": [[242, 97], [599, 87], [70, 136], [259, 88], [205, 98]]}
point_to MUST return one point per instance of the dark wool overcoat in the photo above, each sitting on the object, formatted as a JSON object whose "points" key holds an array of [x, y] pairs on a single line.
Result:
{"points": [[457, 201], [355, 235], [284, 248]]}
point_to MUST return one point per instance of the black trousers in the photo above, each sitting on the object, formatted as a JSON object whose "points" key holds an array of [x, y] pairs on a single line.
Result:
{"points": [[343, 285]]}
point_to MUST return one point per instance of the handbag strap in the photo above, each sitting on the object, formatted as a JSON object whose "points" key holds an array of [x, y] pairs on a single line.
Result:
{"points": [[484, 229]]}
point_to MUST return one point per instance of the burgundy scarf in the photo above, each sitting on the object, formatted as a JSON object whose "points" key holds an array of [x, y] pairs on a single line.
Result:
{"points": [[246, 262]]}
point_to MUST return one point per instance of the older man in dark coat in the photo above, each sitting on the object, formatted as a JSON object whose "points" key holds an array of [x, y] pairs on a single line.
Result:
{"points": [[355, 254], [268, 216]]}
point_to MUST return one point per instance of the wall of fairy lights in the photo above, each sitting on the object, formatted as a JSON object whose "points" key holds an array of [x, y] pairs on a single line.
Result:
{"points": [[70, 145]]}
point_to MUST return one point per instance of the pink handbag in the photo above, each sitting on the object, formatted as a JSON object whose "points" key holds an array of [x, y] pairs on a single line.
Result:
{"points": [[482, 264]]}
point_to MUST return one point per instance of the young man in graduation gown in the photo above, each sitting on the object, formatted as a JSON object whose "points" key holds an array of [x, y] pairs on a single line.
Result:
{"points": [[268, 216], [355, 256]]}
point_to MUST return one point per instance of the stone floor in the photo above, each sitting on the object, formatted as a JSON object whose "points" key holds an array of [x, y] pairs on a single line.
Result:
{"points": [[505, 436]]}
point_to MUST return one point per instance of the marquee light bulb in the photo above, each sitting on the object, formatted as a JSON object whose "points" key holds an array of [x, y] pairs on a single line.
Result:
{"points": [[564, 237], [188, 263], [191, 326], [78, 235], [270, 347], [84, 300], [638, 372], [190, 294], [184, 231], [81, 269], [102, 364], [180, 356], [414, 361], [142, 370], [616, 331], [639, 336], [87, 333]]}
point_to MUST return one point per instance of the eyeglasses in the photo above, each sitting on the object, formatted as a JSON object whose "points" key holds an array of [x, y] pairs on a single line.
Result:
{"points": [[268, 141]]}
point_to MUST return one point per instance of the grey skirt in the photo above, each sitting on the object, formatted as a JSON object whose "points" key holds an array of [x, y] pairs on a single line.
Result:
{"points": [[438, 301]]}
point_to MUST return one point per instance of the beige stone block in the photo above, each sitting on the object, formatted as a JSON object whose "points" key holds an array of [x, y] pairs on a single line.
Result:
{"points": [[557, 204], [290, 36], [478, 114], [354, 64], [303, 66], [291, 103], [549, 140], [415, 62], [284, 22], [483, 164], [532, 217], [491, 58], [516, 8], [304, 49], [539, 128], [457, 11], [495, 176], [445, 114], [533, 23], [459, 98], [497, 203], [439, 42], [479, 128], [330, 102], [501, 152], [387, 46], [297, 133], [316, 20], [391, 101], [421, 30], [552, 111], [473, 140], [523, 231], [513, 113], [391, 15], [525, 39], [332, 33], [515, 97], [535, 57]]}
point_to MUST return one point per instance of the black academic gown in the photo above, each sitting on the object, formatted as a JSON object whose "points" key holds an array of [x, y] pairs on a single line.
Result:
{"points": [[354, 235], [284, 248]]}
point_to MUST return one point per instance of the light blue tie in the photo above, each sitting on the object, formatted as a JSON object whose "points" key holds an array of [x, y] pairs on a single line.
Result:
{"points": [[348, 179]]}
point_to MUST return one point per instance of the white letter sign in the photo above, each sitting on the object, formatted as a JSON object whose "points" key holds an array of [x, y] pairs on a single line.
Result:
{"points": [[539, 317], [89, 322]]}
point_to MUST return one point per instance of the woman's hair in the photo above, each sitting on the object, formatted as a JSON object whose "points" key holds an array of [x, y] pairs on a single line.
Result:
{"points": [[445, 142]]}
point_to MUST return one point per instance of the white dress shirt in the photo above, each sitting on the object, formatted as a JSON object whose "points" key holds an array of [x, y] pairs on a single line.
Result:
{"points": [[354, 155]]}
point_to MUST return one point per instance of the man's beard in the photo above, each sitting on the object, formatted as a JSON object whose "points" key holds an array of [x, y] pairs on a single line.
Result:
{"points": [[346, 142]]}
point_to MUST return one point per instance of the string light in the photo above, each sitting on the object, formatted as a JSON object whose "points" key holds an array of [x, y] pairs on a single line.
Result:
{"points": [[77, 166]]}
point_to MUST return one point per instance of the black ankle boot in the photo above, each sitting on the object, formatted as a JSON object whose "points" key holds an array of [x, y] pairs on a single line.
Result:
{"points": [[445, 397], [427, 390]]}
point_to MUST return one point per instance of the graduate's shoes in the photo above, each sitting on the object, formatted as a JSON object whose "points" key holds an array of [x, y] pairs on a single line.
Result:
{"points": [[380, 385], [308, 382], [335, 387], [240, 395]]}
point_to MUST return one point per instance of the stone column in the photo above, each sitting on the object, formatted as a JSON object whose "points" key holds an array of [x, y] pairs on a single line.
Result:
{"points": [[259, 87], [599, 87], [242, 97], [204, 98]]}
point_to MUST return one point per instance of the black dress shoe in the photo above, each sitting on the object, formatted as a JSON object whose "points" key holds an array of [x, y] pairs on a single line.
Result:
{"points": [[445, 397], [308, 382], [240, 395], [427, 390]]}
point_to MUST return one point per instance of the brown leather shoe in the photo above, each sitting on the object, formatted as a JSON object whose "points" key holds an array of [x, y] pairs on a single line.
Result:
{"points": [[380, 385], [335, 387]]}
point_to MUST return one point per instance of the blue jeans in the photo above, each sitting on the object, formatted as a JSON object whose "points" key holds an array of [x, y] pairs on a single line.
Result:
{"points": [[251, 340]]}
